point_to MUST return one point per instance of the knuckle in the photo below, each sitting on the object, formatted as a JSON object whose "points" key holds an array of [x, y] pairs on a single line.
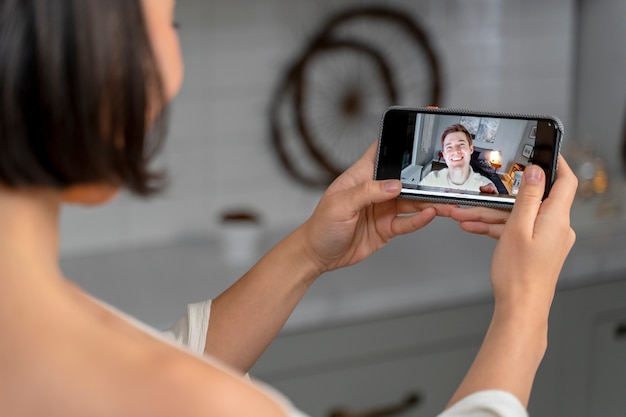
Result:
{"points": [[564, 229], [572, 236]]}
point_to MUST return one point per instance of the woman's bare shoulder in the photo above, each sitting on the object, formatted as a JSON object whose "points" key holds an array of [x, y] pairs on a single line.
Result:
{"points": [[204, 388], [84, 359]]}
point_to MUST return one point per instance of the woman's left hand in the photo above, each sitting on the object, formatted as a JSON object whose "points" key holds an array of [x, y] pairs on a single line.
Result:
{"points": [[358, 215]]}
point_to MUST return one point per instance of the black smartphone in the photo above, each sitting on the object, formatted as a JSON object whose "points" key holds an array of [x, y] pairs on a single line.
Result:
{"points": [[463, 156]]}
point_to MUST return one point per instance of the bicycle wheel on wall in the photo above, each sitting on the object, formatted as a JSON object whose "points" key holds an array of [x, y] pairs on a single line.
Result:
{"points": [[361, 61]]}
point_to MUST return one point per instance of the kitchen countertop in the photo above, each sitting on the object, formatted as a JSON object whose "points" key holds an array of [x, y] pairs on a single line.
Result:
{"points": [[433, 268]]}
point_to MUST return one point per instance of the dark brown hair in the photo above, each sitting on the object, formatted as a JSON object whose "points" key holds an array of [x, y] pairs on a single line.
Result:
{"points": [[78, 83], [456, 128]]}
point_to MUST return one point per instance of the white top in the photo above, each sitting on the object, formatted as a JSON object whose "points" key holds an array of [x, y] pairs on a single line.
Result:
{"points": [[190, 331], [440, 179], [490, 403]]}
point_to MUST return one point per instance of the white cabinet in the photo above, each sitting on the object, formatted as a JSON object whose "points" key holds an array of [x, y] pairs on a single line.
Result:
{"points": [[382, 382], [607, 396], [591, 339], [411, 174], [376, 364]]}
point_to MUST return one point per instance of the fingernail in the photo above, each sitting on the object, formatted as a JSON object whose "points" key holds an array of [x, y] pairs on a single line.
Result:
{"points": [[392, 186], [532, 174]]}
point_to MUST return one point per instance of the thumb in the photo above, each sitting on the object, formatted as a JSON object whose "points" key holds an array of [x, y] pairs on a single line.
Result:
{"points": [[528, 199]]}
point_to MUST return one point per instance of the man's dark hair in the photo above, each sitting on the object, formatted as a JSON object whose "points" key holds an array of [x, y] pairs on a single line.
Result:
{"points": [[78, 86], [456, 128]]}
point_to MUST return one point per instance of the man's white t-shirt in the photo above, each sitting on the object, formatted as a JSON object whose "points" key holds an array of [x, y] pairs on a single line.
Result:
{"points": [[440, 179]]}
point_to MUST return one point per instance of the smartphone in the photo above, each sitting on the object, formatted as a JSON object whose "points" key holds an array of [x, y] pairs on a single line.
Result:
{"points": [[463, 156]]}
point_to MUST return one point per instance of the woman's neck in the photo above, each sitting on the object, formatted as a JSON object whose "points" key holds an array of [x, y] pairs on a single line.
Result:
{"points": [[29, 233]]}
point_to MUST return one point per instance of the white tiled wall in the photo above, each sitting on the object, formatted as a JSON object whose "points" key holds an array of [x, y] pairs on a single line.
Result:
{"points": [[505, 55]]}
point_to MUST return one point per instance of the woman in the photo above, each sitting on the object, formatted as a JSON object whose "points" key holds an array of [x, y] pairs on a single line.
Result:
{"points": [[83, 87]]}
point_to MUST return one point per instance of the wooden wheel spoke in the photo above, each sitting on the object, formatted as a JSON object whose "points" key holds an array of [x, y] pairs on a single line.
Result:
{"points": [[360, 62]]}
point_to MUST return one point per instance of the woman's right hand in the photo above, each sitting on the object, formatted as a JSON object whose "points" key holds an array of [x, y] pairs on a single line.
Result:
{"points": [[535, 239]]}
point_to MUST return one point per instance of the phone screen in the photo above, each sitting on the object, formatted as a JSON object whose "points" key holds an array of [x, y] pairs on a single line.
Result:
{"points": [[471, 156]]}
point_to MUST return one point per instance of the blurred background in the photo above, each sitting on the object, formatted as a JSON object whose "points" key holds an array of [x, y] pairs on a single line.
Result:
{"points": [[279, 94], [557, 57]]}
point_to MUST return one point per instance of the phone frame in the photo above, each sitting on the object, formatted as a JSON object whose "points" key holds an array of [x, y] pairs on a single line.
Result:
{"points": [[389, 164]]}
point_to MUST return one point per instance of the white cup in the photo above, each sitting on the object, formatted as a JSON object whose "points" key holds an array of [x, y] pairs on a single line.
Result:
{"points": [[240, 242], [241, 236]]}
